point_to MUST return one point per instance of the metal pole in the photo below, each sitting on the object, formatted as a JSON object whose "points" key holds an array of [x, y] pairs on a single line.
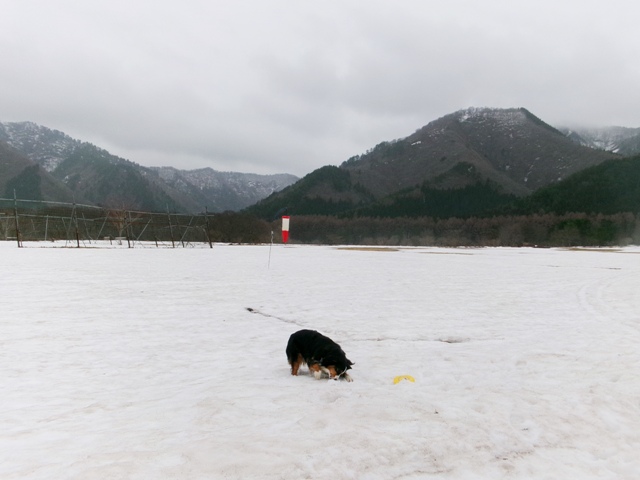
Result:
{"points": [[75, 216], [15, 213], [128, 229], [173, 245]]}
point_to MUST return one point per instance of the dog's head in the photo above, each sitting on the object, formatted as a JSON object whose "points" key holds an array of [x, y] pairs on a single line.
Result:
{"points": [[342, 367], [335, 369]]}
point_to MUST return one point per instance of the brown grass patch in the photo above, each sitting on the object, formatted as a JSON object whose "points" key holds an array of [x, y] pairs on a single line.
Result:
{"points": [[593, 249], [370, 249], [446, 253]]}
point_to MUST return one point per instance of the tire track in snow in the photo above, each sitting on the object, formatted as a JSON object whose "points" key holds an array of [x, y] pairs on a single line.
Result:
{"points": [[268, 315], [592, 298], [444, 339]]}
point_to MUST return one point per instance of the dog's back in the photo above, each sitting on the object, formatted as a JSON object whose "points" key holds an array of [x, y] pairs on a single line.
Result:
{"points": [[318, 352]]}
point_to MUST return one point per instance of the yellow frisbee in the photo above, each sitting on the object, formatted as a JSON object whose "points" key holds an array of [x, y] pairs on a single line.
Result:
{"points": [[399, 378]]}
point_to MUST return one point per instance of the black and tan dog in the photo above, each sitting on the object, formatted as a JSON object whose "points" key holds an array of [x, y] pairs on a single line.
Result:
{"points": [[320, 353]]}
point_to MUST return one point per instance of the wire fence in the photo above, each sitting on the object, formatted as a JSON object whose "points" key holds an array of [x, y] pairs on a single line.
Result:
{"points": [[81, 225]]}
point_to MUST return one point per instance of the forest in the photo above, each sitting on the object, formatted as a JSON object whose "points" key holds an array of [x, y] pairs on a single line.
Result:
{"points": [[598, 206], [541, 230]]}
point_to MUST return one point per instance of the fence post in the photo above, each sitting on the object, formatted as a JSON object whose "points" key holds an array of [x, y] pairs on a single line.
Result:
{"points": [[173, 245], [128, 229], [75, 217], [86, 230], [15, 215], [206, 226]]}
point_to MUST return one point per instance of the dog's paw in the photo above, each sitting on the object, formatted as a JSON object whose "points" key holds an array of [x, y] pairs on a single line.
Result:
{"points": [[347, 377]]}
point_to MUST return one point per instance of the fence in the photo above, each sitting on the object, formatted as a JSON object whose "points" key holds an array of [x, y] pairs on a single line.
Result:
{"points": [[81, 225]]}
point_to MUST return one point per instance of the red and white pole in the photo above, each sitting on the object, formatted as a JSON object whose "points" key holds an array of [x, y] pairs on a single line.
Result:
{"points": [[285, 228]]}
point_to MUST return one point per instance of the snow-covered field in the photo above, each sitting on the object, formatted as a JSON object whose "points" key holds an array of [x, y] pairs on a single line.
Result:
{"points": [[145, 363]]}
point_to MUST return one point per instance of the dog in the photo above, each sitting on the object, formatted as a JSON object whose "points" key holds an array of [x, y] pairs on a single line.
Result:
{"points": [[320, 353]]}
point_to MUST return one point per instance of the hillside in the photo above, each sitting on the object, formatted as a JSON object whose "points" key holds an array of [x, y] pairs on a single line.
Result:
{"points": [[91, 175], [609, 188], [622, 140], [597, 206], [97, 177], [222, 191], [511, 147], [27, 179], [499, 153]]}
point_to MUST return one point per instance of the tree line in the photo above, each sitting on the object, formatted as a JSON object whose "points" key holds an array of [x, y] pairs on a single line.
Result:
{"points": [[543, 230]]}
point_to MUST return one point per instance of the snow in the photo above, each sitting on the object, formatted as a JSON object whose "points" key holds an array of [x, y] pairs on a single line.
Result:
{"points": [[505, 118], [145, 363]]}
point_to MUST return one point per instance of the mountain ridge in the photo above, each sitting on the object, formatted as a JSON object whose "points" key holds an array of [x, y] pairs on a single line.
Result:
{"points": [[92, 175], [510, 146], [509, 151], [495, 152], [622, 140]]}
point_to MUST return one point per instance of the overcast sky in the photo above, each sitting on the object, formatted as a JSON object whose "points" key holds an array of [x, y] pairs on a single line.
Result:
{"points": [[287, 86]]}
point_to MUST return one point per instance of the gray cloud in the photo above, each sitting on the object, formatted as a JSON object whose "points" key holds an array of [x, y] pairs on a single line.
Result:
{"points": [[287, 86]]}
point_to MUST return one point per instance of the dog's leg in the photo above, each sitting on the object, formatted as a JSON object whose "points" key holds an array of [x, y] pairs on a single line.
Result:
{"points": [[296, 365], [347, 377], [316, 370]]}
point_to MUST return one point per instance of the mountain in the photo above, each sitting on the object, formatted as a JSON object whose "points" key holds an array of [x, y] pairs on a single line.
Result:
{"points": [[27, 179], [493, 154], [92, 175], [48, 148], [223, 190], [622, 140], [608, 188]]}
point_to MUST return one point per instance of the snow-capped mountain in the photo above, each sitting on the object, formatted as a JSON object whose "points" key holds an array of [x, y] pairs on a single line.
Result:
{"points": [[94, 176], [48, 148], [223, 190], [622, 140], [511, 147], [484, 154]]}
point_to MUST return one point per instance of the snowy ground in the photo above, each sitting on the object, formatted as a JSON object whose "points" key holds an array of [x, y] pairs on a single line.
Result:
{"points": [[145, 363]]}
